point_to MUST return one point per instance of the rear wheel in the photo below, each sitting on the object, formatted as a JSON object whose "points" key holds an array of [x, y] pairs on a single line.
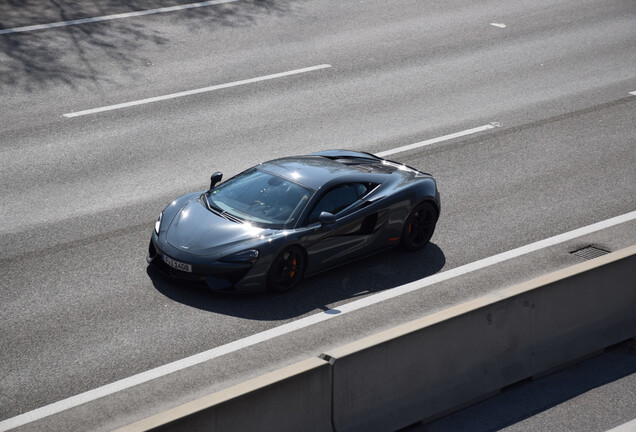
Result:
{"points": [[419, 226], [286, 270]]}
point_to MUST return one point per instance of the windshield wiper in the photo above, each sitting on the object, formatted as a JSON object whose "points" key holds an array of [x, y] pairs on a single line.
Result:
{"points": [[220, 212], [210, 207], [231, 217]]}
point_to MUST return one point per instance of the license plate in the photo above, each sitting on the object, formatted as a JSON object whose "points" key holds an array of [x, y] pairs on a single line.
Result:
{"points": [[177, 264]]}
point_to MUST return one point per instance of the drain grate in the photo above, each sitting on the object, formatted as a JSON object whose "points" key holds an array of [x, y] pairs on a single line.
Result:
{"points": [[590, 252]]}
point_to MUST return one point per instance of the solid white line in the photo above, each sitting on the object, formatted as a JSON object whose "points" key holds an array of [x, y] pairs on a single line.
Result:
{"points": [[437, 140], [178, 365], [113, 17], [630, 426], [487, 262], [196, 91]]}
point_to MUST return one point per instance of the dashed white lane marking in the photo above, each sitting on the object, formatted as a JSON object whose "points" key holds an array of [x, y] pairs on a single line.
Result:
{"points": [[113, 17], [633, 93], [195, 91], [499, 25], [213, 353], [438, 139]]}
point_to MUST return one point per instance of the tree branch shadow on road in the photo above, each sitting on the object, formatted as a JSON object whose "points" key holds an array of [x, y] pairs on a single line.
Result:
{"points": [[378, 273], [73, 56]]}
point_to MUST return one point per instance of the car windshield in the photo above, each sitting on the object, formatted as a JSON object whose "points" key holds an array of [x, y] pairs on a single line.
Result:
{"points": [[261, 198]]}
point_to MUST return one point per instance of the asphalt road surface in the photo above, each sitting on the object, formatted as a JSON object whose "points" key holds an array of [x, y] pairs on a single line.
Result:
{"points": [[104, 123]]}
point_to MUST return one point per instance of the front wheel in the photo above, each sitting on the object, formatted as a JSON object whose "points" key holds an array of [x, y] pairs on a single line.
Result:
{"points": [[419, 226], [286, 270]]}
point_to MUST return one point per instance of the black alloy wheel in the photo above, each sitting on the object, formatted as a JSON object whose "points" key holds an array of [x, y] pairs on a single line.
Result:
{"points": [[286, 270], [419, 226]]}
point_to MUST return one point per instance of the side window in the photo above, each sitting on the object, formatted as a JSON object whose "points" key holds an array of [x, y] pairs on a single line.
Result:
{"points": [[338, 198]]}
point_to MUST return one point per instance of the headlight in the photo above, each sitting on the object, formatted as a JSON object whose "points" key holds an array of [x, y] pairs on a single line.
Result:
{"points": [[158, 223], [247, 256]]}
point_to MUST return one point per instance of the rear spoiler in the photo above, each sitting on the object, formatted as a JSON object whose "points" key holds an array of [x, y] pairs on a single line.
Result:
{"points": [[346, 154], [350, 154]]}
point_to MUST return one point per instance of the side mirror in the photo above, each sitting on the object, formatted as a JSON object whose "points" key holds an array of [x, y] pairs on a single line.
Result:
{"points": [[326, 218], [215, 178]]}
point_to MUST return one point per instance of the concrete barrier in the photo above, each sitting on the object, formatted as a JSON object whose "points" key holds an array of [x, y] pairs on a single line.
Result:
{"points": [[435, 365], [445, 361], [295, 398]]}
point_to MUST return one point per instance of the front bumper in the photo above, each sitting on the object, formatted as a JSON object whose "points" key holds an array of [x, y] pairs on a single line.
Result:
{"points": [[217, 275]]}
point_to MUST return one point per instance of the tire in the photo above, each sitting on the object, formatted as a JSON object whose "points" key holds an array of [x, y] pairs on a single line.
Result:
{"points": [[287, 270], [419, 226]]}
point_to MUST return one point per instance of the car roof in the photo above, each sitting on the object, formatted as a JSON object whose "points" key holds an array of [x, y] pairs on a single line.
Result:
{"points": [[315, 171]]}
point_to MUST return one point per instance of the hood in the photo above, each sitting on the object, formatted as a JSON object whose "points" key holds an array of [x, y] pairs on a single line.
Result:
{"points": [[198, 231]]}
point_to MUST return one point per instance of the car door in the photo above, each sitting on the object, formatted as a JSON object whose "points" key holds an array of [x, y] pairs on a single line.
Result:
{"points": [[349, 235]]}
